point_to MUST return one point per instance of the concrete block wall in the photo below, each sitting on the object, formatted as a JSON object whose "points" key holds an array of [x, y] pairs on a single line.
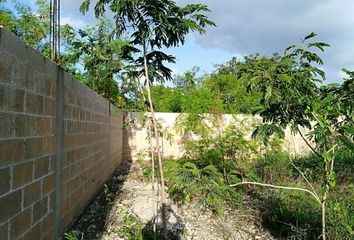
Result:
{"points": [[92, 146], [59, 141]]}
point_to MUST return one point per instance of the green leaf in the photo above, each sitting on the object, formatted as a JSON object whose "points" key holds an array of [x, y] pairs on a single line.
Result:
{"points": [[311, 35], [349, 129], [268, 94], [85, 5], [346, 141], [326, 156], [319, 45], [332, 180]]}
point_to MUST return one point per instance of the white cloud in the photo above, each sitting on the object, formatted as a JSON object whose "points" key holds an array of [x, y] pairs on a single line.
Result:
{"points": [[75, 23], [267, 26]]}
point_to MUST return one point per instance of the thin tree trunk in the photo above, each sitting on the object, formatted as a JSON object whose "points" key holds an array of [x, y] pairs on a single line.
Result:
{"points": [[150, 140], [226, 179], [323, 204], [328, 171], [323, 208], [152, 166], [152, 155], [153, 179], [157, 138]]}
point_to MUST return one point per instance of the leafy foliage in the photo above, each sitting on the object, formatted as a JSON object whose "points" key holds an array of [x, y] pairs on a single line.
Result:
{"points": [[32, 27], [292, 98], [156, 25], [220, 92], [102, 55], [287, 82], [203, 185], [211, 163]]}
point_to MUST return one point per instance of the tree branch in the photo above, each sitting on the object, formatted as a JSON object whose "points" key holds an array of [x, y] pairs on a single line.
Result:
{"points": [[278, 187], [304, 177], [309, 145]]}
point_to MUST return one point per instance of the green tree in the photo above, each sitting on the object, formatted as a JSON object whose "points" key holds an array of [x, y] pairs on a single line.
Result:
{"points": [[154, 25], [227, 86], [223, 91], [102, 54], [166, 99], [291, 96], [200, 101], [7, 18], [32, 27], [188, 79]]}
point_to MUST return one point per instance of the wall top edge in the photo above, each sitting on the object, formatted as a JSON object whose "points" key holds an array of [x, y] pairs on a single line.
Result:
{"points": [[13, 46]]}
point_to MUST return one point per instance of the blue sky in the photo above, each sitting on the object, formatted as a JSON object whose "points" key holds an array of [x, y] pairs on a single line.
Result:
{"points": [[257, 26]]}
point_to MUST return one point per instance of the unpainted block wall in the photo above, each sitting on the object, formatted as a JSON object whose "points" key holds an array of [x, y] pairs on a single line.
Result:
{"points": [[30, 145], [92, 146]]}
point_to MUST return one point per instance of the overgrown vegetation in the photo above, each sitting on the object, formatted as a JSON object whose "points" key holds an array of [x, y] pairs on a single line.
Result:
{"points": [[105, 60], [199, 179], [289, 97], [221, 165]]}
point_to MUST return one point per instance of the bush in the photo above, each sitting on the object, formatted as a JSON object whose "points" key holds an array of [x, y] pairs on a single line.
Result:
{"points": [[341, 219], [291, 215], [205, 186]]}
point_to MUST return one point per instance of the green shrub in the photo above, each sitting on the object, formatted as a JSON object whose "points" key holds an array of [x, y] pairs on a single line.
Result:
{"points": [[205, 186], [341, 219], [291, 215], [295, 216]]}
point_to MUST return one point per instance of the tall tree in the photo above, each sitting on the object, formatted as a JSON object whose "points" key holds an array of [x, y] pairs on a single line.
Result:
{"points": [[154, 25], [227, 86]]}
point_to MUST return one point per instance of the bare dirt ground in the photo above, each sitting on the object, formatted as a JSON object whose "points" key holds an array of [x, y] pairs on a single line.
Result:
{"points": [[126, 207]]}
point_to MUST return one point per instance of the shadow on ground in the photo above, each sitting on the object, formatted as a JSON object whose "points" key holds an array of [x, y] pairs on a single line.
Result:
{"points": [[104, 215], [94, 220], [92, 223], [175, 226]]}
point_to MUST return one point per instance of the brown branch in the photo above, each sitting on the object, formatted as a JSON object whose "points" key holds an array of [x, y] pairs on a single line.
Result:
{"points": [[309, 145]]}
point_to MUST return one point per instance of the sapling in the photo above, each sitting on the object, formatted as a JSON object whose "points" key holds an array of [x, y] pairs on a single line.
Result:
{"points": [[154, 25], [292, 97]]}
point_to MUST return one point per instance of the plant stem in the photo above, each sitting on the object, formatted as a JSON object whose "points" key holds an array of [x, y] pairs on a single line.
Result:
{"points": [[152, 155], [157, 138], [304, 177], [150, 140], [323, 208], [278, 187], [309, 145], [329, 165], [152, 163]]}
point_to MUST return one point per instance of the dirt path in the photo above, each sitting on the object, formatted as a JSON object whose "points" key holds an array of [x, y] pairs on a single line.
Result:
{"points": [[125, 209]]}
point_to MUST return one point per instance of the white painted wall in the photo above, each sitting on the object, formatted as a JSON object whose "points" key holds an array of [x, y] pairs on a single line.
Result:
{"points": [[136, 138]]}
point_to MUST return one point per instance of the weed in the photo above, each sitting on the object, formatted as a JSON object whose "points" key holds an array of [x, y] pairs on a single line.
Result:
{"points": [[71, 235]]}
